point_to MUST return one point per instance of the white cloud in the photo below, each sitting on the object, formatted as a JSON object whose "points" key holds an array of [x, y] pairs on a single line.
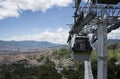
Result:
{"points": [[8, 8], [115, 34], [12, 8], [85, 0], [59, 36]]}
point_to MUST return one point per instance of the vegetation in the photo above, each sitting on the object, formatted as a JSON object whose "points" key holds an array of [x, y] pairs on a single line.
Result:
{"points": [[61, 53], [19, 71], [48, 69], [113, 62]]}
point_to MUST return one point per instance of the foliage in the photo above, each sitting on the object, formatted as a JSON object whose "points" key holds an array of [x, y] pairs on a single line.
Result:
{"points": [[73, 73], [19, 71], [61, 53], [48, 71], [113, 57]]}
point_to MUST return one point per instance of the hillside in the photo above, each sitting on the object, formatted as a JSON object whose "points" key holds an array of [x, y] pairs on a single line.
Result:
{"points": [[10, 46], [109, 41], [113, 41]]}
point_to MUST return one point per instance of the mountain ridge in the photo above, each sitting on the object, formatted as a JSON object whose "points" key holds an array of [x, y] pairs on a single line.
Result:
{"points": [[113, 41], [26, 46]]}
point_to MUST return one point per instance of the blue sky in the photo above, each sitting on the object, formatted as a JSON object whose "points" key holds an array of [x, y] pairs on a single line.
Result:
{"points": [[39, 20], [30, 22], [43, 20]]}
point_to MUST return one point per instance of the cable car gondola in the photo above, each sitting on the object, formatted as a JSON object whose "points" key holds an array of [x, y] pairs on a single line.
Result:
{"points": [[81, 48]]}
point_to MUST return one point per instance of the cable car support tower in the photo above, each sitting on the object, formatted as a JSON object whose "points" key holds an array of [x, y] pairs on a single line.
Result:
{"points": [[95, 18]]}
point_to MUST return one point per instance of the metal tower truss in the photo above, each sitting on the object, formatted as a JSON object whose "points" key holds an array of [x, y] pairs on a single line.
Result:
{"points": [[96, 17], [87, 18]]}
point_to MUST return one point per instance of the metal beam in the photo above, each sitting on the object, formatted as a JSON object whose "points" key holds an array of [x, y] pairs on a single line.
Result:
{"points": [[113, 27], [77, 4], [102, 51], [109, 29], [88, 70], [78, 27]]}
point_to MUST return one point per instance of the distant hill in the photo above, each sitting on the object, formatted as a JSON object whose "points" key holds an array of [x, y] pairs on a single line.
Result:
{"points": [[109, 41], [113, 41], [26, 45]]}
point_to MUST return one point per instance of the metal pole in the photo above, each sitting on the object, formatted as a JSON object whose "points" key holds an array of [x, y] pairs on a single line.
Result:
{"points": [[88, 71], [102, 51]]}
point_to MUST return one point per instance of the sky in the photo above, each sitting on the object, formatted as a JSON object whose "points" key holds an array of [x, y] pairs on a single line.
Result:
{"points": [[38, 20]]}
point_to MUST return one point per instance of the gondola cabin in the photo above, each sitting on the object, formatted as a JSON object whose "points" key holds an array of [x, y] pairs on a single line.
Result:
{"points": [[81, 48]]}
